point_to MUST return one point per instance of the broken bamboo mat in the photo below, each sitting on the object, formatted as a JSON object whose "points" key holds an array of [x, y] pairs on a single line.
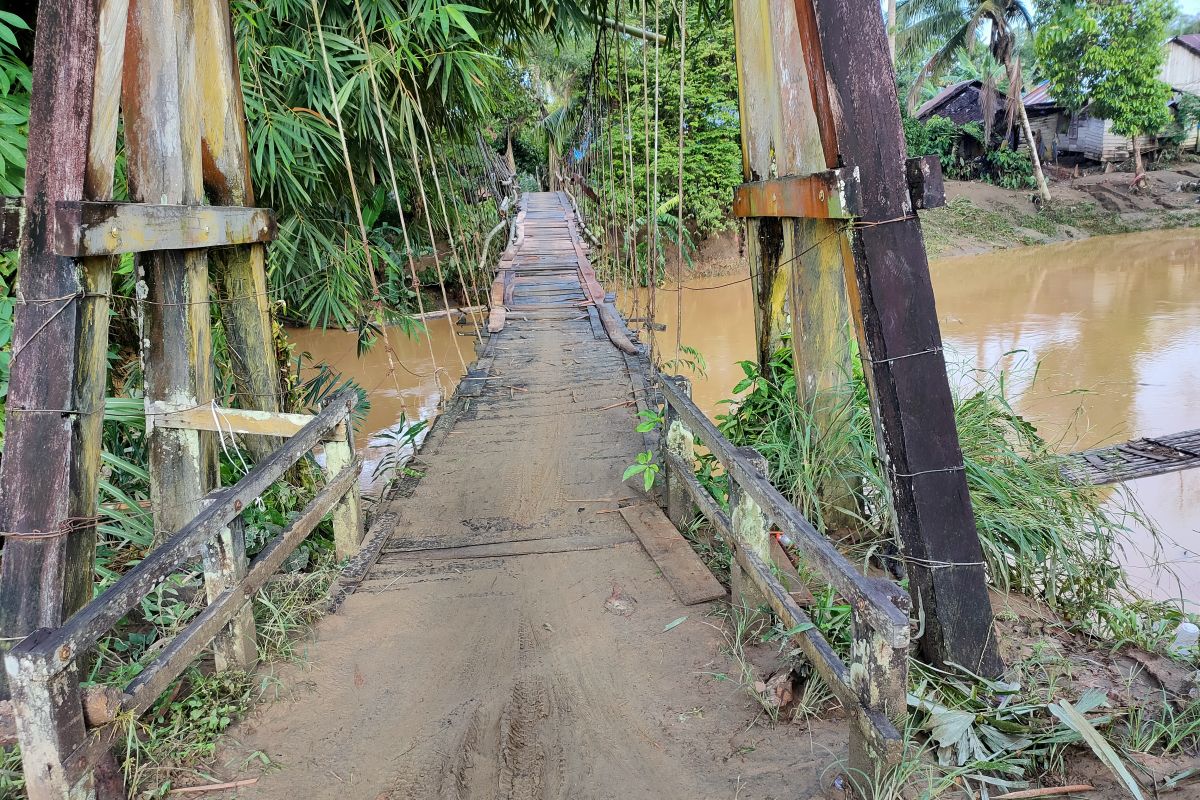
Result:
{"points": [[1139, 458]]}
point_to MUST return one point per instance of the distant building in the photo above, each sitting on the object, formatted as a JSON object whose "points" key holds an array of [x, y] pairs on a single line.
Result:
{"points": [[1057, 132], [963, 102]]}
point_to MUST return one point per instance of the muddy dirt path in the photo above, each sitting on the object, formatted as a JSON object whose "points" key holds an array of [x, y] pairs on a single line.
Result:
{"points": [[510, 642]]}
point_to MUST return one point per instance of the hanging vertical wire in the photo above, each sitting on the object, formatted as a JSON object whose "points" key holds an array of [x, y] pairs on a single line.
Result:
{"points": [[437, 259], [453, 240], [646, 175], [679, 276], [376, 298], [652, 211], [391, 165], [629, 222]]}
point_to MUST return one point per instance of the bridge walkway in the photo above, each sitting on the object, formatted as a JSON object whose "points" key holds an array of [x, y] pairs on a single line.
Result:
{"points": [[511, 641]]}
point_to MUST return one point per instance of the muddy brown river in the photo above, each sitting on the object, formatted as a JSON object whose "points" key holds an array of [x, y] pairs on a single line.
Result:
{"points": [[1099, 341]]}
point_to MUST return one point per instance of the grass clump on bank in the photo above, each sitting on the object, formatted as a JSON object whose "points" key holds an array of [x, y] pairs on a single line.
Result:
{"points": [[1045, 538]]}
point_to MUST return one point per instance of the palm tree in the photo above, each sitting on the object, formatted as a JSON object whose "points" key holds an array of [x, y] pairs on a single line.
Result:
{"points": [[944, 26]]}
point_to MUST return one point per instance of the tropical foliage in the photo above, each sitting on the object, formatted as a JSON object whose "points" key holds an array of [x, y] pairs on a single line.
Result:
{"points": [[1108, 56]]}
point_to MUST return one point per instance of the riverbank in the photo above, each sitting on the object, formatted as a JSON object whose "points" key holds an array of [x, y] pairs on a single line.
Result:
{"points": [[980, 218]]}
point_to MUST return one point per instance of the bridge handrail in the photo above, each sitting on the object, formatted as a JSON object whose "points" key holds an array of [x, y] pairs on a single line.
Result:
{"points": [[43, 667], [872, 687]]}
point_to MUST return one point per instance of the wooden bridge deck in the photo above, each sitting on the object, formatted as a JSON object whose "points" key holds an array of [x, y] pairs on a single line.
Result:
{"points": [[510, 640]]}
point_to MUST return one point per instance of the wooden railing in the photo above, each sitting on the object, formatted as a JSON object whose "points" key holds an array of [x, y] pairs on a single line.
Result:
{"points": [[872, 686], [59, 750]]}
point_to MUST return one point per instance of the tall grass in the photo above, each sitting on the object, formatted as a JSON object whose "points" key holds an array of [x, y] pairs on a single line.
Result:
{"points": [[1042, 535]]}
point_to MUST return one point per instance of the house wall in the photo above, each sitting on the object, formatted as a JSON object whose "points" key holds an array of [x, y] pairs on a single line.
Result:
{"points": [[1181, 69], [1095, 139], [1045, 131]]}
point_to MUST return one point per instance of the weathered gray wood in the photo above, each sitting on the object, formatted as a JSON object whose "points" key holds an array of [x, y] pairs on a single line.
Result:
{"points": [[879, 680], [226, 606], [901, 345], [49, 716], [108, 228], [749, 527], [347, 515], [678, 441], [271, 424], [81, 632], [145, 690], [12, 216], [45, 471], [673, 554], [818, 552], [162, 137], [235, 647], [926, 189]]}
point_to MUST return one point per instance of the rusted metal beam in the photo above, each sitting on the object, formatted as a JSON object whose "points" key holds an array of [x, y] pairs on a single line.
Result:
{"points": [[105, 229], [925, 186], [12, 215], [832, 194]]}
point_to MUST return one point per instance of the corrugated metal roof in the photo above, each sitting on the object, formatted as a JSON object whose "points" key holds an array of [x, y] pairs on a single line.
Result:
{"points": [[1039, 95]]}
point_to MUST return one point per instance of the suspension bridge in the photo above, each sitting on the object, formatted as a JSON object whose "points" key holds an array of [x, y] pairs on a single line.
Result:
{"points": [[519, 622]]}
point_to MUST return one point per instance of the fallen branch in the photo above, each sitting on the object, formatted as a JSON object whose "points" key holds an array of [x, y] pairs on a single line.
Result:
{"points": [[1048, 791], [214, 787]]}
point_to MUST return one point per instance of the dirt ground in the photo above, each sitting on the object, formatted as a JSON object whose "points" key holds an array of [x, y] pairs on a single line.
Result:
{"points": [[1087, 205]]}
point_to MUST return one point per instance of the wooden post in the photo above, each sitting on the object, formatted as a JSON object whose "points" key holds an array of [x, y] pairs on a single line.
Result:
{"points": [[347, 514], [879, 678], [162, 133], [52, 446], [796, 264], [240, 271], [225, 565], [749, 526], [896, 320], [679, 440], [49, 715]]}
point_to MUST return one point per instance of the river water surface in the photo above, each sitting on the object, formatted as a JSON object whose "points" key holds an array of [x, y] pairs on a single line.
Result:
{"points": [[1099, 341]]}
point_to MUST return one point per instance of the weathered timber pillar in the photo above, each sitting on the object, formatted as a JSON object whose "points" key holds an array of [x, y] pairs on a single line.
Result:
{"points": [[896, 320], [795, 263], [240, 271], [60, 337], [162, 133], [679, 441], [749, 526]]}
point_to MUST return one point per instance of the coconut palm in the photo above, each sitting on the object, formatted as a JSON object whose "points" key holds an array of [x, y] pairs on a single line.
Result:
{"points": [[945, 26]]}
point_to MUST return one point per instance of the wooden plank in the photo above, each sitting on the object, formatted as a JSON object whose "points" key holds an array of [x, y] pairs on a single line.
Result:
{"points": [[12, 217], [44, 578], [240, 271], [925, 186], [818, 552], [891, 295], [524, 547], [831, 194], [162, 130], [108, 228], [81, 632], [230, 420], [149, 685], [680, 565]]}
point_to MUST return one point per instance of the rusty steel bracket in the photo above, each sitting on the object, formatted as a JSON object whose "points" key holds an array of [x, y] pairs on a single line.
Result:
{"points": [[104, 229], [12, 216], [833, 194], [925, 186]]}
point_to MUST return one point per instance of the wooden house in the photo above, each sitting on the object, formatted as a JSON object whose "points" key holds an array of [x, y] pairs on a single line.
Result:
{"points": [[1181, 71], [964, 102], [1058, 132]]}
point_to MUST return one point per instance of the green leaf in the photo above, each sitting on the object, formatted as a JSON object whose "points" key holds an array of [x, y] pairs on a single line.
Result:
{"points": [[675, 623], [1077, 722]]}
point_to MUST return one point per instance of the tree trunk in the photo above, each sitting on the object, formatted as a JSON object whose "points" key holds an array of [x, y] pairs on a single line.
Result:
{"points": [[508, 152], [1038, 175], [1139, 171], [891, 29]]}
